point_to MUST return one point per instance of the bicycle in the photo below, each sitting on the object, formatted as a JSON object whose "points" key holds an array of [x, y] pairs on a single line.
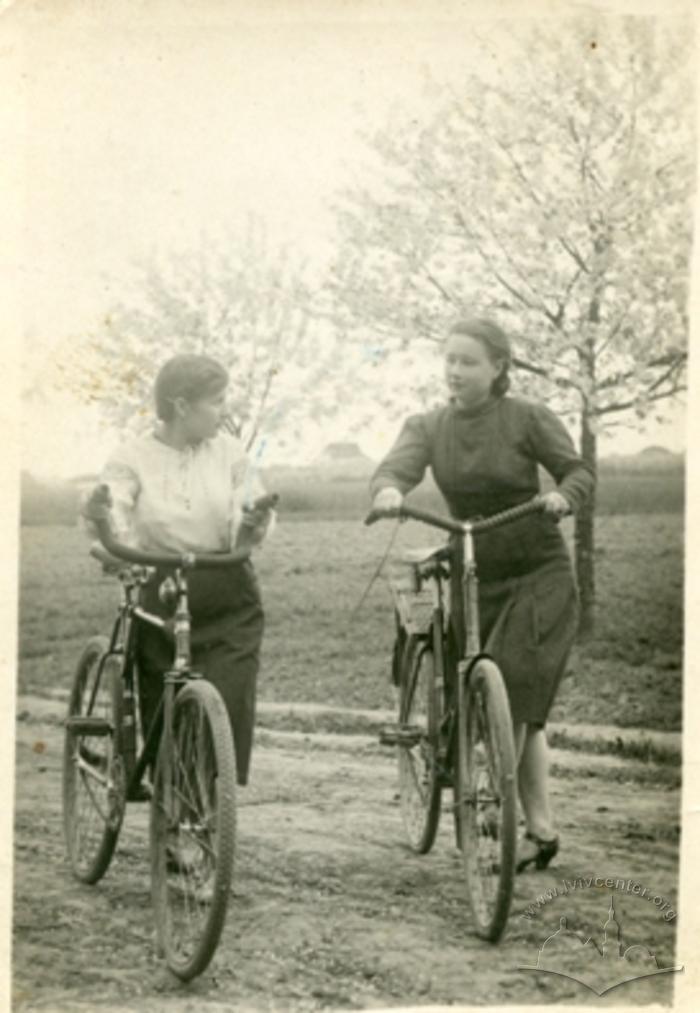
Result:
{"points": [[458, 736], [193, 793]]}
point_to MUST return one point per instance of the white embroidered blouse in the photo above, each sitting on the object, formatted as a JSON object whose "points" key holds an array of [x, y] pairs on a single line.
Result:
{"points": [[169, 500]]}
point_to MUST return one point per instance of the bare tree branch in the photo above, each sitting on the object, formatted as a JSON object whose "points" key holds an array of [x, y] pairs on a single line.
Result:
{"points": [[558, 317], [552, 317], [614, 330], [523, 299], [674, 360], [529, 367], [626, 405], [520, 172], [440, 288]]}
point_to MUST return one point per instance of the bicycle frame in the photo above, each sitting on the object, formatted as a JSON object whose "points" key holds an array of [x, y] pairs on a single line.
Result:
{"points": [[470, 593], [472, 646], [176, 676], [470, 600], [471, 651], [123, 644]]}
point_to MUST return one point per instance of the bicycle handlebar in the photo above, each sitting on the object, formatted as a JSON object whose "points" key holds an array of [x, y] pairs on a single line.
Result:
{"points": [[186, 560], [532, 506]]}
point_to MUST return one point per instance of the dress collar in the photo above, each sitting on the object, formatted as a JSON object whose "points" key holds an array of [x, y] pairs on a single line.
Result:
{"points": [[485, 408], [189, 448]]}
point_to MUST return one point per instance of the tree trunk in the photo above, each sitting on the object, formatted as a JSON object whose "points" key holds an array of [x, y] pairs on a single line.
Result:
{"points": [[584, 535]]}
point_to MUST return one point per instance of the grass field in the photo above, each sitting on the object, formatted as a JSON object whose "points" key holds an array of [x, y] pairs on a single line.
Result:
{"points": [[319, 649]]}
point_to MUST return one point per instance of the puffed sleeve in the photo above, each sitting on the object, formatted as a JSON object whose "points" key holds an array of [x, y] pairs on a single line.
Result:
{"points": [[553, 448], [121, 475], [404, 466]]}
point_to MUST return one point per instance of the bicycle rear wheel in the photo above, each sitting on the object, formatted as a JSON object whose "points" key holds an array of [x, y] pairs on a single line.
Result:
{"points": [[485, 798], [193, 824], [93, 771], [419, 710]]}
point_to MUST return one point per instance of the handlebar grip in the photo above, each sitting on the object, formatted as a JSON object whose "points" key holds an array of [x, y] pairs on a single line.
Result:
{"points": [[266, 502], [98, 503], [379, 515], [534, 505]]}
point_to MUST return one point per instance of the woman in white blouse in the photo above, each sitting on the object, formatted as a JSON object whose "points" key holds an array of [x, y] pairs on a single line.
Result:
{"points": [[185, 486]]}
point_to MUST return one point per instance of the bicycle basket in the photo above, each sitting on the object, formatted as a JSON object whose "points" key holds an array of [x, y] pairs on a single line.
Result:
{"points": [[413, 599]]}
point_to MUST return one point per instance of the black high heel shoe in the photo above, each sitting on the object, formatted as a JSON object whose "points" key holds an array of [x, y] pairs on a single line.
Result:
{"points": [[546, 850]]}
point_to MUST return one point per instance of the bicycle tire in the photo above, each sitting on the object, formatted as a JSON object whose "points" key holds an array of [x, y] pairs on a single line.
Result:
{"points": [[486, 799], [193, 828], [93, 772], [419, 783]]}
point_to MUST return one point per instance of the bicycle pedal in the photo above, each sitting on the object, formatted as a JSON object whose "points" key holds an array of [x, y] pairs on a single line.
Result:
{"points": [[79, 724], [141, 793], [395, 735]]}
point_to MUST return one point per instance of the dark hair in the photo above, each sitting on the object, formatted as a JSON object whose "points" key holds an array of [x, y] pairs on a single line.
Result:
{"points": [[188, 376], [496, 343]]}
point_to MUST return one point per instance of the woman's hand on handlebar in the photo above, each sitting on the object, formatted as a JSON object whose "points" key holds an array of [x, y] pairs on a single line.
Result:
{"points": [[387, 502], [97, 504], [256, 520], [110, 564], [555, 504]]}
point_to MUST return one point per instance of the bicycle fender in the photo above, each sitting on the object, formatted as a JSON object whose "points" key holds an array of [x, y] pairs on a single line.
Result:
{"points": [[465, 666]]}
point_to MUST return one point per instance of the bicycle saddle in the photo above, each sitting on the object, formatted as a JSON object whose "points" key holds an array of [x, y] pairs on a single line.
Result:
{"points": [[432, 553]]}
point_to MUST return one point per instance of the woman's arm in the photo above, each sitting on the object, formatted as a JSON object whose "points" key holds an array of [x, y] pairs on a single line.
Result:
{"points": [[122, 480], [553, 448], [404, 466]]}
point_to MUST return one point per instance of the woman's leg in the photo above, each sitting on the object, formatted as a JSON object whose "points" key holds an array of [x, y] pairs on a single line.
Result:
{"points": [[533, 780], [519, 729]]}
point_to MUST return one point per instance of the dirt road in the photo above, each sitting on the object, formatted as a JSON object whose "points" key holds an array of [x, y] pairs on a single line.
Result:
{"points": [[330, 909]]}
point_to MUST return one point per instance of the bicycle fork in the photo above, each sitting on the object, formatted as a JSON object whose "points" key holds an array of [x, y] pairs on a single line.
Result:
{"points": [[472, 649], [179, 673]]}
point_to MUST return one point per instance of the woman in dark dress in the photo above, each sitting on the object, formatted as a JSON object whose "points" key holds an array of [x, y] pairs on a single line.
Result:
{"points": [[484, 448]]}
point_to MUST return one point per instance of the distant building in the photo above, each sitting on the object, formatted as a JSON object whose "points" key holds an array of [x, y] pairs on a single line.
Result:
{"points": [[344, 460], [656, 451]]}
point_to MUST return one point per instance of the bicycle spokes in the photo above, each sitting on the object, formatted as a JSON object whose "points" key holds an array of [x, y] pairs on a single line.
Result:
{"points": [[419, 785], [192, 829], [486, 798], [192, 821], [93, 770]]}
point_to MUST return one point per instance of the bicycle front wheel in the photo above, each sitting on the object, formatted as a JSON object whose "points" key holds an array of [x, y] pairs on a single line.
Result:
{"points": [[419, 783], [93, 770], [193, 825], [485, 798]]}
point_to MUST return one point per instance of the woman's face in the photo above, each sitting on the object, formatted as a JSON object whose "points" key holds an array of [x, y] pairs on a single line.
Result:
{"points": [[201, 419], [469, 369]]}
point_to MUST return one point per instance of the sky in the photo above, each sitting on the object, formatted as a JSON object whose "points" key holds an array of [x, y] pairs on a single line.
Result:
{"points": [[148, 126]]}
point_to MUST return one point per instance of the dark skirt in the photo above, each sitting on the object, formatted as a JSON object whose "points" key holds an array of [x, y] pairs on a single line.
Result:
{"points": [[227, 629], [528, 623]]}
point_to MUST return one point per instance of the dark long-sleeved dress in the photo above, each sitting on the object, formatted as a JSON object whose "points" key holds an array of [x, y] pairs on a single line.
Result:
{"points": [[486, 460]]}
